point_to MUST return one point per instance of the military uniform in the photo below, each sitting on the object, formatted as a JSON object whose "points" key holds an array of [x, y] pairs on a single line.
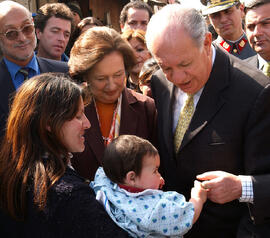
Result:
{"points": [[241, 48]]}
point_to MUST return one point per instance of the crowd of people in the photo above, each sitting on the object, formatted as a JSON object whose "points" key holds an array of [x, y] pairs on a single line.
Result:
{"points": [[158, 130]]}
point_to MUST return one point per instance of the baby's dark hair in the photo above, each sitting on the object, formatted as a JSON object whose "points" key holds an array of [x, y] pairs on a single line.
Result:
{"points": [[124, 154]]}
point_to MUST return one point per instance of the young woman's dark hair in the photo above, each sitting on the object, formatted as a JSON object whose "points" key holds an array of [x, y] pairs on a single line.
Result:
{"points": [[41, 194], [39, 110]]}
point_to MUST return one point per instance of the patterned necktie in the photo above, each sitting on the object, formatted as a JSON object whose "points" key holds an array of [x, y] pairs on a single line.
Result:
{"points": [[266, 69], [183, 122], [25, 73]]}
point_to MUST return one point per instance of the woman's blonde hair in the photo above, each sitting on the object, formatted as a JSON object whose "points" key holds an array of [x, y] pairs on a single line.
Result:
{"points": [[134, 33]]}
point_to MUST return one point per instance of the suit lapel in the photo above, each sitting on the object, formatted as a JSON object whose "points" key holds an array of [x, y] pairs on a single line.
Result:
{"points": [[6, 86], [212, 98], [163, 94], [93, 135], [42, 66], [167, 102], [128, 124], [129, 117]]}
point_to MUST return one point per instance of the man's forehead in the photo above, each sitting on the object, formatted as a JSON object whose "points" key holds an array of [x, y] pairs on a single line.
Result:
{"points": [[225, 10], [59, 23], [8, 7], [7, 19], [11, 22], [54, 20], [134, 11]]}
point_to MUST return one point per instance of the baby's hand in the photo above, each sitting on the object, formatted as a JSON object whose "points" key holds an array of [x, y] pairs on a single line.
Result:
{"points": [[198, 192]]}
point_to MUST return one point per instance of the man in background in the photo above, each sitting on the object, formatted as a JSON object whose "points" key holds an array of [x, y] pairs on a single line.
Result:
{"points": [[76, 11], [54, 26], [258, 33], [135, 15], [17, 43]]}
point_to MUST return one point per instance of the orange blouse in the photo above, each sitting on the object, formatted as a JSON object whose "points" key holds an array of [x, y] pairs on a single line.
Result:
{"points": [[105, 114]]}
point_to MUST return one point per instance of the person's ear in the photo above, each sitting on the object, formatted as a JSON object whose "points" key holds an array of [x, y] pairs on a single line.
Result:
{"points": [[242, 7], [38, 33], [130, 178], [208, 42], [48, 128]]}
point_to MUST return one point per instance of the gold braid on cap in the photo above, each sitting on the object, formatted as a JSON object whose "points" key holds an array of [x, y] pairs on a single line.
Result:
{"points": [[215, 3]]}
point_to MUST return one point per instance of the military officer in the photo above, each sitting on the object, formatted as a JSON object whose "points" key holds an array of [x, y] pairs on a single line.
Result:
{"points": [[226, 18]]}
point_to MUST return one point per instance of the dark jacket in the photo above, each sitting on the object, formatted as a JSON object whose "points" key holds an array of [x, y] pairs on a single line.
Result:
{"points": [[229, 131], [72, 211], [138, 117], [7, 88]]}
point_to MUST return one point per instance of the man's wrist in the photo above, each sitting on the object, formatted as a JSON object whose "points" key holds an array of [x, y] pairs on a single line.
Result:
{"points": [[247, 189]]}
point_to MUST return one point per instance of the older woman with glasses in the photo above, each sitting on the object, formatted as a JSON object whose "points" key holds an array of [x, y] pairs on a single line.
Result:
{"points": [[100, 58]]}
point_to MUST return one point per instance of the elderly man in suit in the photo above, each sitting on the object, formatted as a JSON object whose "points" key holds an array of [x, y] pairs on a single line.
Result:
{"points": [[17, 43], [258, 33], [213, 121]]}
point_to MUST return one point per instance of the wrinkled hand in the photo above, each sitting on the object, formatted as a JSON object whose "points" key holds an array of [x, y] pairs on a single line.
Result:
{"points": [[222, 187], [198, 192]]}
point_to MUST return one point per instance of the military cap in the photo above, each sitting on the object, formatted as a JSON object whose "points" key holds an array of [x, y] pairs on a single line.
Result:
{"points": [[212, 6], [253, 3]]}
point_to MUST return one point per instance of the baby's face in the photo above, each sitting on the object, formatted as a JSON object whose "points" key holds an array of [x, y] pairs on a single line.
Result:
{"points": [[150, 178]]}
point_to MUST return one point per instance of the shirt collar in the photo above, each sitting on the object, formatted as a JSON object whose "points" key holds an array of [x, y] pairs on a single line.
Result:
{"points": [[14, 68], [262, 61], [64, 57], [230, 41], [213, 54]]}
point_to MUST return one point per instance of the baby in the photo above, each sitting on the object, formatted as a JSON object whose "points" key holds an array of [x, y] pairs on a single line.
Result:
{"points": [[128, 187]]}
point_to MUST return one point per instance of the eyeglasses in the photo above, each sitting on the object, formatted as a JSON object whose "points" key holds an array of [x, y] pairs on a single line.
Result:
{"points": [[27, 30]]}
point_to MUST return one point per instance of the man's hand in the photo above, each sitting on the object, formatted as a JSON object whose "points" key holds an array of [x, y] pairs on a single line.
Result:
{"points": [[222, 187]]}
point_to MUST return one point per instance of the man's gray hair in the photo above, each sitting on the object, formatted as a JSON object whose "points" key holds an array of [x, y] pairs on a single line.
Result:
{"points": [[173, 17]]}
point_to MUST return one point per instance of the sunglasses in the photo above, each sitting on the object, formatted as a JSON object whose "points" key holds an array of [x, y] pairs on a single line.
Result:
{"points": [[27, 30]]}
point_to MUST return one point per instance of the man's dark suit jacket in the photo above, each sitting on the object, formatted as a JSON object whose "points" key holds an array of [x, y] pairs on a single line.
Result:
{"points": [[7, 88], [138, 117], [229, 131]]}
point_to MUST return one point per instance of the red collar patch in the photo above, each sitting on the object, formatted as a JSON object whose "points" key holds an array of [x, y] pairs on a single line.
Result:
{"points": [[236, 47]]}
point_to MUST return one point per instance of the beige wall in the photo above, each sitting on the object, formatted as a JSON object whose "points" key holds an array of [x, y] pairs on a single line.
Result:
{"points": [[33, 4]]}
